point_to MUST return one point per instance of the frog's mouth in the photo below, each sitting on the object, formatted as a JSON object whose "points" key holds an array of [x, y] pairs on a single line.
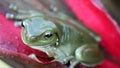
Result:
{"points": [[44, 49]]}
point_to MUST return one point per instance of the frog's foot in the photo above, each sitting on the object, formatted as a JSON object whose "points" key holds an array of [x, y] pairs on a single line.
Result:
{"points": [[61, 60], [17, 10], [16, 16], [33, 56], [10, 16], [64, 60], [23, 13], [89, 55], [73, 64], [13, 7]]}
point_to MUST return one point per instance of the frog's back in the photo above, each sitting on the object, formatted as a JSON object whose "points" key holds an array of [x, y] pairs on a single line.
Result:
{"points": [[71, 39]]}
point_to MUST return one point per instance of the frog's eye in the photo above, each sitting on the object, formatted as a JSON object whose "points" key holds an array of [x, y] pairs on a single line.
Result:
{"points": [[48, 35]]}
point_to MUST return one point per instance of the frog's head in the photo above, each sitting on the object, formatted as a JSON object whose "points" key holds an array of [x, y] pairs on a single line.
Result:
{"points": [[38, 31]]}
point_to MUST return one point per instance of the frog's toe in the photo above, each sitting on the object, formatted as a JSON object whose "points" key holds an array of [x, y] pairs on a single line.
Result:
{"points": [[18, 23], [9, 15], [13, 7]]}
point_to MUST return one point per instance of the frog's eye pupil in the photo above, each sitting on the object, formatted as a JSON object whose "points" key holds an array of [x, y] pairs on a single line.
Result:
{"points": [[48, 35]]}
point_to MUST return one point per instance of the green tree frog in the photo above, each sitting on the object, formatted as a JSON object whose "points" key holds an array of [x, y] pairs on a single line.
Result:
{"points": [[59, 36]]}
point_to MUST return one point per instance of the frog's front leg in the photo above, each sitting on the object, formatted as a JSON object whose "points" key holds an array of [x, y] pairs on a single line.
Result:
{"points": [[16, 9], [26, 12], [21, 14], [58, 55], [89, 55]]}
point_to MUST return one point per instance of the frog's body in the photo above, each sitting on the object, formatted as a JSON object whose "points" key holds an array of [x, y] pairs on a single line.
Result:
{"points": [[60, 38]]}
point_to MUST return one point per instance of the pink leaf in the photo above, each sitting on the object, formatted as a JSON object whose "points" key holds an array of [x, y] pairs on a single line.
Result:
{"points": [[93, 14]]}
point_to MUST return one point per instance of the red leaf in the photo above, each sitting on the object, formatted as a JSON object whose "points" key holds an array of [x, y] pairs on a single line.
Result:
{"points": [[93, 14]]}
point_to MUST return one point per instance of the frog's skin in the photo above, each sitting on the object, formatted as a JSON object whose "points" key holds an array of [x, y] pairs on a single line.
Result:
{"points": [[60, 37]]}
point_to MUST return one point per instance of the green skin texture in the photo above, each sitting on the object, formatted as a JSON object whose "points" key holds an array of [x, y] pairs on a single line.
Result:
{"points": [[73, 44]]}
